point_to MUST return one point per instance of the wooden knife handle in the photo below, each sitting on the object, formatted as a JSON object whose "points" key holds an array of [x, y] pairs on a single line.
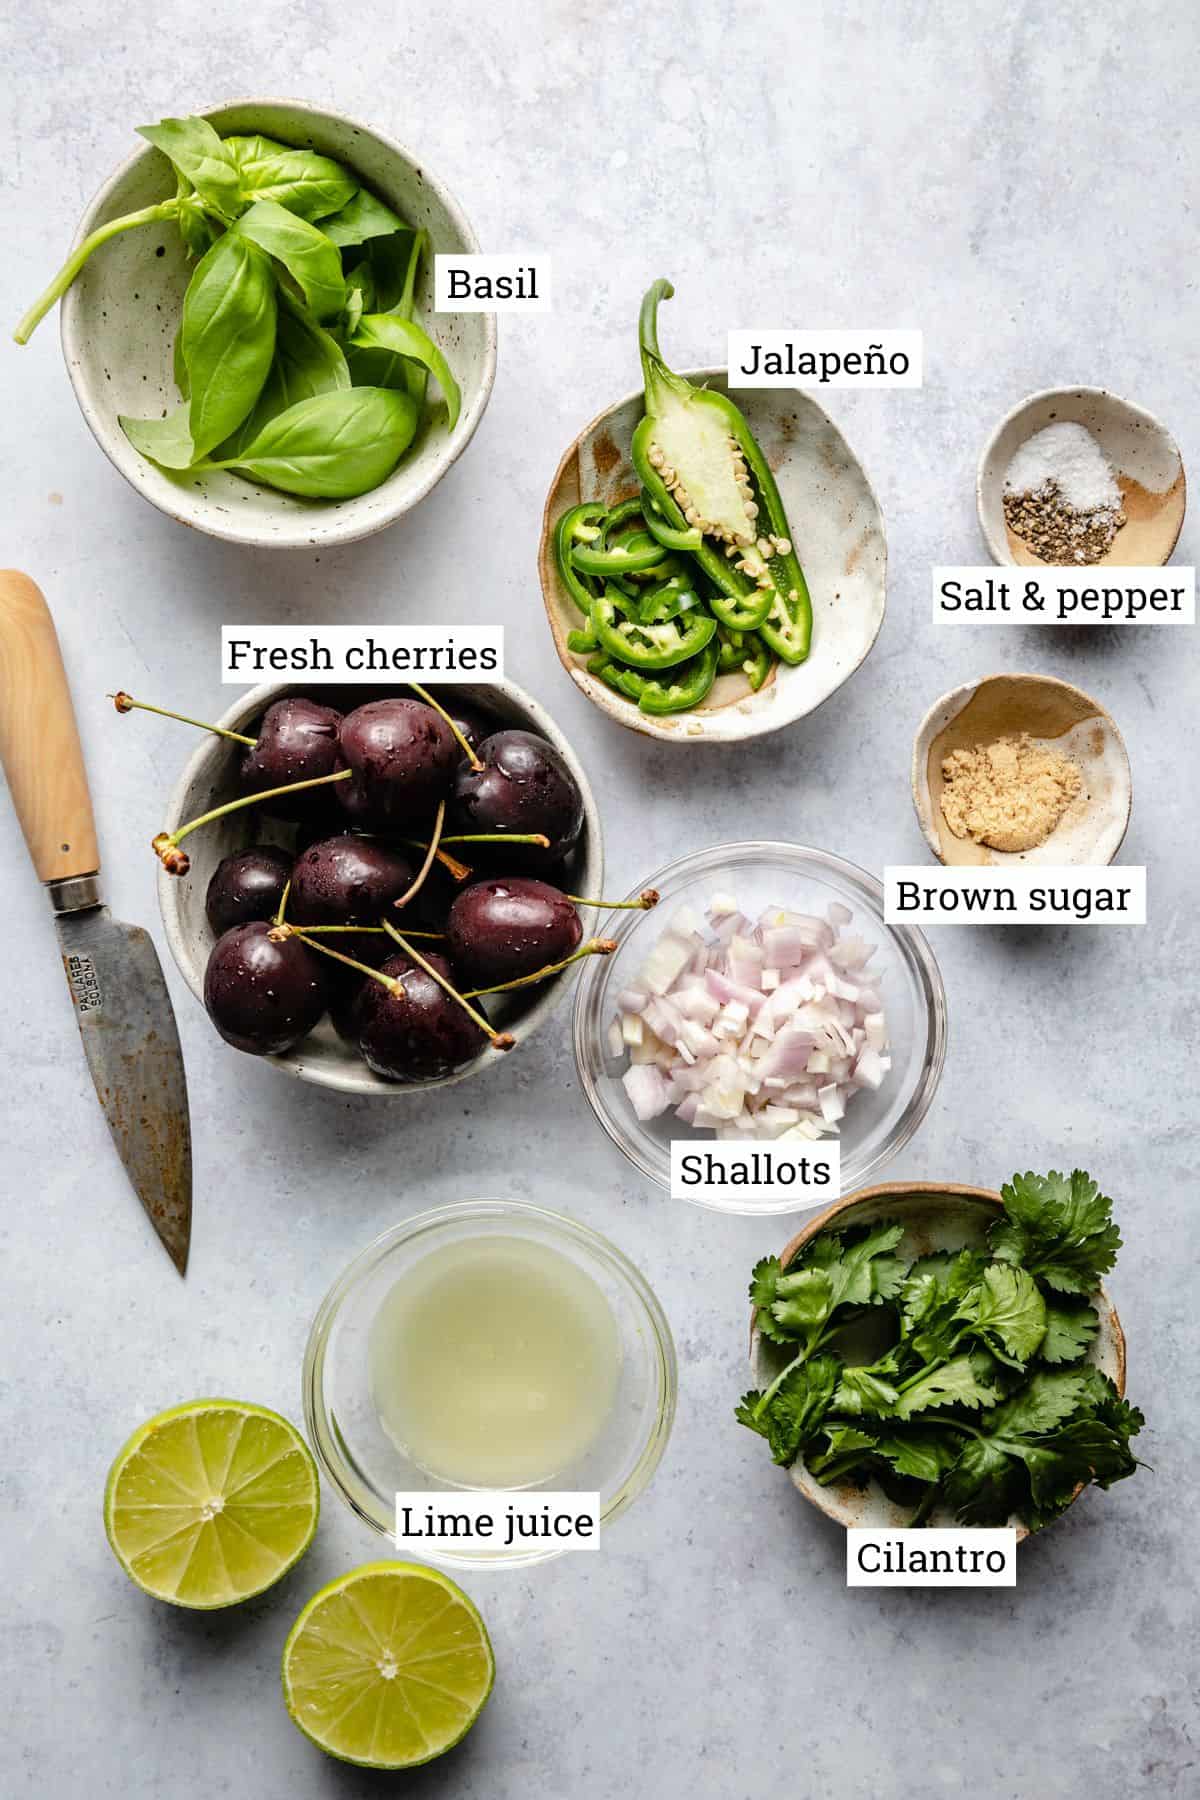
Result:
{"points": [[39, 741]]}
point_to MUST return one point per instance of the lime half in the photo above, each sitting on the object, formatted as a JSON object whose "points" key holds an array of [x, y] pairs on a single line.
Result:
{"points": [[388, 1666], [211, 1502]]}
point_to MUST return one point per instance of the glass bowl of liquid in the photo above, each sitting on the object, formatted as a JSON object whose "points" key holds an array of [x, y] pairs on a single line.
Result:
{"points": [[483, 1346]]}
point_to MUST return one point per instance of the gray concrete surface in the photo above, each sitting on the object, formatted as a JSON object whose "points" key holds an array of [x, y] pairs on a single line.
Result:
{"points": [[1019, 183]]}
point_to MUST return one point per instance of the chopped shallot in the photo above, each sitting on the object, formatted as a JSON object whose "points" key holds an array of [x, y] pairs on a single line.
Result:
{"points": [[764, 1028]]}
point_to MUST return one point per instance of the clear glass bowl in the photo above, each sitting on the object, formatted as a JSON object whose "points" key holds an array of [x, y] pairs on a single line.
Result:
{"points": [[760, 874], [367, 1468]]}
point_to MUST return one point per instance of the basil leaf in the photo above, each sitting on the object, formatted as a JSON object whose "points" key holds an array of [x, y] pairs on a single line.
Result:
{"points": [[228, 337], [385, 331], [178, 366], [195, 227], [167, 442], [309, 185], [332, 446], [307, 361], [306, 253], [197, 152], [393, 262], [362, 218]]}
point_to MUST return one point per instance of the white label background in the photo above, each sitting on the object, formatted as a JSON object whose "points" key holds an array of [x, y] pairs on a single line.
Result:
{"points": [[859, 1540], [1021, 879], [343, 641], [834, 343], [511, 263], [495, 1504], [763, 1196], [1051, 583]]}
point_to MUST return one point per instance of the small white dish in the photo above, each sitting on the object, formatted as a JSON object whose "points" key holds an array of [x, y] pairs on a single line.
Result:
{"points": [[119, 318], [1141, 451], [1051, 712], [210, 777], [837, 526]]}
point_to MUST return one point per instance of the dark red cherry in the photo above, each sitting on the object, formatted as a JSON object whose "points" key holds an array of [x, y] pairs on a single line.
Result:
{"points": [[421, 1037], [263, 996], [500, 929], [297, 741], [347, 880], [247, 885], [472, 721], [403, 755], [524, 786]]}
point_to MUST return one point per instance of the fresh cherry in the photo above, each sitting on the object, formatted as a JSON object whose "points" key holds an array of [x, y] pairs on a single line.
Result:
{"points": [[297, 741], [263, 995], [500, 929], [403, 755], [347, 880], [524, 786], [247, 885], [421, 1035]]}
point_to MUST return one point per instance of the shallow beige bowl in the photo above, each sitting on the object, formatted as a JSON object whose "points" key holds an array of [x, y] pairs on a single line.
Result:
{"points": [[1144, 457], [837, 528], [210, 777], [936, 1216], [1052, 712], [119, 321]]}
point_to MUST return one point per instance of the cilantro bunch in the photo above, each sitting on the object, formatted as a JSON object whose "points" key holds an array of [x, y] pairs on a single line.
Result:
{"points": [[979, 1397]]}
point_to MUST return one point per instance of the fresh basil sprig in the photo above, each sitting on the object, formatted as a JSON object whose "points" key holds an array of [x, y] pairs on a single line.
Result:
{"points": [[298, 357]]}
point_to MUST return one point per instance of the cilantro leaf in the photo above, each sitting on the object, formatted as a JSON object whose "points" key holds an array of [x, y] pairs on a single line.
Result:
{"points": [[1059, 1229], [933, 1281], [805, 1309], [865, 1390], [923, 1455], [1007, 1310], [847, 1444], [1070, 1328], [763, 1281], [1048, 1397], [962, 1381], [790, 1413], [985, 1486]]}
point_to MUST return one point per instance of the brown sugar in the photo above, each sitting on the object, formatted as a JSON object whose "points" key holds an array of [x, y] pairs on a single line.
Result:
{"points": [[1009, 794]]}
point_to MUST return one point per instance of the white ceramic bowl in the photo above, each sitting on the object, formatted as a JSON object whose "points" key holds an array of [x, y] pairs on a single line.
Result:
{"points": [[936, 1216], [1141, 451], [838, 531], [210, 777], [1053, 713], [119, 319]]}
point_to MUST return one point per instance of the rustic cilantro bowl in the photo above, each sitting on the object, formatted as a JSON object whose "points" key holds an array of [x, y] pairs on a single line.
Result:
{"points": [[935, 1216], [118, 322]]}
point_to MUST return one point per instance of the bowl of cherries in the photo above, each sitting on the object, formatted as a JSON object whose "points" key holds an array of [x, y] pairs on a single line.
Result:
{"points": [[380, 889]]}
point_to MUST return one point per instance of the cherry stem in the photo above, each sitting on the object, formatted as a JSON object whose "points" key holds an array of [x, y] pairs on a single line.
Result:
{"points": [[126, 703], [166, 844], [283, 900], [280, 933], [646, 899], [418, 882], [499, 837], [375, 930], [458, 870], [593, 947], [429, 700], [501, 1040]]}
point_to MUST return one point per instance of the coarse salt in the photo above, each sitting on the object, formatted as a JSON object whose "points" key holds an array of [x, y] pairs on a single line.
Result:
{"points": [[1069, 456]]}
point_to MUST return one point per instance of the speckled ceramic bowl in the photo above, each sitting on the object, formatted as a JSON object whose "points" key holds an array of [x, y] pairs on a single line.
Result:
{"points": [[210, 777], [120, 316], [838, 531], [1053, 713], [1141, 451], [936, 1216]]}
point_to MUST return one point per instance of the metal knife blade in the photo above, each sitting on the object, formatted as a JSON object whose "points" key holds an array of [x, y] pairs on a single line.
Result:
{"points": [[128, 1029]]}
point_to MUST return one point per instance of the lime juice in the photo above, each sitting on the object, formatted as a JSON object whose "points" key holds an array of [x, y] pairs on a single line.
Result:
{"points": [[494, 1362]]}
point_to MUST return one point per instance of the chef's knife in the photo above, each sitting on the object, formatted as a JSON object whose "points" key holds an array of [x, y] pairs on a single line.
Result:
{"points": [[116, 981]]}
